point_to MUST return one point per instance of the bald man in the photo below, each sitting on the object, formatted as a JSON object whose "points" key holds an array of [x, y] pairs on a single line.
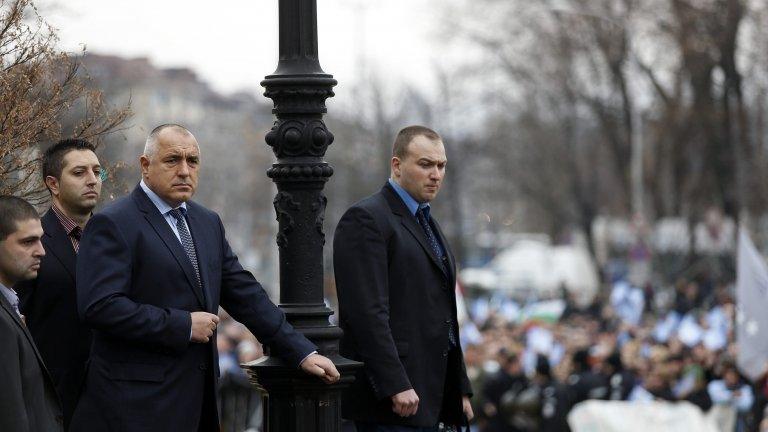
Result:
{"points": [[152, 270]]}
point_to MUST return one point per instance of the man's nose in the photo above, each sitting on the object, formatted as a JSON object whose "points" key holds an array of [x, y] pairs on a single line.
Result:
{"points": [[92, 178], [183, 169], [435, 173], [39, 249]]}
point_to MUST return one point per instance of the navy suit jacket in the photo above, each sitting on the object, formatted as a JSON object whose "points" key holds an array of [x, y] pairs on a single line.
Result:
{"points": [[136, 289], [49, 304]]}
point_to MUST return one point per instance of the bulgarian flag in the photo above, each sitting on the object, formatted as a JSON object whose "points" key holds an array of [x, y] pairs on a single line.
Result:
{"points": [[547, 311]]}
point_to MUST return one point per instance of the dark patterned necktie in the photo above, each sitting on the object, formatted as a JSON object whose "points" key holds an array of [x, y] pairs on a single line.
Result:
{"points": [[421, 216], [76, 234], [432, 240], [186, 239]]}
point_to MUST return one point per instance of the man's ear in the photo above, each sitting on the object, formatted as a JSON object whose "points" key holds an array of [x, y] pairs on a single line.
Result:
{"points": [[144, 162], [52, 183], [395, 166]]}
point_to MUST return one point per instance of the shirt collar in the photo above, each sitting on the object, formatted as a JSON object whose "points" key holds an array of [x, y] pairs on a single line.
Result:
{"points": [[9, 294], [66, 221], [411, 203], [161, 205]]}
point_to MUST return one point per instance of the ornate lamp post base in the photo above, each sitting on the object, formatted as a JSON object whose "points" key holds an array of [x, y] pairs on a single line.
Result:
{"points": [[293, 400], [296, 402]]}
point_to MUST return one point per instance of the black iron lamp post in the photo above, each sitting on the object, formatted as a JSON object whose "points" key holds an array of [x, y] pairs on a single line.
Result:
{"points": [[299, 138]]}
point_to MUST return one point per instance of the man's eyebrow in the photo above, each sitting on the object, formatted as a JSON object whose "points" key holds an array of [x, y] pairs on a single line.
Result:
{"points": [[32, 237]]}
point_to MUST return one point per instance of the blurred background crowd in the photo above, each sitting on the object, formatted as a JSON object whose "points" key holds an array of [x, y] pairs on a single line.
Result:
{"points": [[528, 373]]}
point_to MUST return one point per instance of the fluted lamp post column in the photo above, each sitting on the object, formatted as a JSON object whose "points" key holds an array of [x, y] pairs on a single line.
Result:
{"points": [[299, 138]]}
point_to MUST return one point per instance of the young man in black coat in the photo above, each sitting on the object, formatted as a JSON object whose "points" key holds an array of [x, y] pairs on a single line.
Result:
{"points": [[395, 276], [73, 175]]}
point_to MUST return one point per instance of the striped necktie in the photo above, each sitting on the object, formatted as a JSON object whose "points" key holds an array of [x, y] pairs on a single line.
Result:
{"points": [[186, 240]]}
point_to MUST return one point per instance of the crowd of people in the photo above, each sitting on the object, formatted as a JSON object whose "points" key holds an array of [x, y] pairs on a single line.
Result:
{"points": [[627, 345]]}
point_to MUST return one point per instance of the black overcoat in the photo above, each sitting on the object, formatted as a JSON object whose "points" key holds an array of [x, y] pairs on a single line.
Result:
{"points": [[396, 302], [49, 304]]}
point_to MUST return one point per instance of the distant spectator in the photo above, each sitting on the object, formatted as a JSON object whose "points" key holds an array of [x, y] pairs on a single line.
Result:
{"points": [[731, 390]]}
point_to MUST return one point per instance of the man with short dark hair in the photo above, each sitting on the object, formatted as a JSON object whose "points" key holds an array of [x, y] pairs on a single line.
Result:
{"points": [[28, 399], [395, 278], [73, 175], [152, 271]]}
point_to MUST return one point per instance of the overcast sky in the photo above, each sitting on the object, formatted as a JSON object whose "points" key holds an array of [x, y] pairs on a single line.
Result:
{"points": [[232, 44]]}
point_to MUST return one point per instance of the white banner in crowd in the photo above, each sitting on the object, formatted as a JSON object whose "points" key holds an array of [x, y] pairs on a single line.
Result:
{"points": [[612, 416], [751, 305]]}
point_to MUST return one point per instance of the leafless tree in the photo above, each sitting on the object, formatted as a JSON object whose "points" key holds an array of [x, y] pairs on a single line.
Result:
{"points": [[43, 96]]}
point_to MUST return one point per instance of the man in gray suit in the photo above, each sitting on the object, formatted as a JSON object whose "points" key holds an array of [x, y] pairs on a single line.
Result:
{"points": [[28, 402]]}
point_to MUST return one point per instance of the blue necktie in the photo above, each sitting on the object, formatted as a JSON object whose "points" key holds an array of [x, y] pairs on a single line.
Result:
{"points": [[186, 240], [421, 215]]}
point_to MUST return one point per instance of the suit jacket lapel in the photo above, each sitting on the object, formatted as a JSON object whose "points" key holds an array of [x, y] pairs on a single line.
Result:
{"points": [[410, 223], [158, 223], [451, 261], [57, 243], [199, 236]]}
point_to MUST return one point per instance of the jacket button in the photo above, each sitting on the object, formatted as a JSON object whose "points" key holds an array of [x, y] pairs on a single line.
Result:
{"points": [[445, 353], [201, 366]]}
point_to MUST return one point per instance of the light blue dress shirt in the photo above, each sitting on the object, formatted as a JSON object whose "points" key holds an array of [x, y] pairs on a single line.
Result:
{"points": [[414, 206], [411, 203], [164, 209]]}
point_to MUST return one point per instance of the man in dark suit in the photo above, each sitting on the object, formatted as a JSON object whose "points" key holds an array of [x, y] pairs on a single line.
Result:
{"points": [[28, 401], [152, 270], [73, 176], [395, 278]]}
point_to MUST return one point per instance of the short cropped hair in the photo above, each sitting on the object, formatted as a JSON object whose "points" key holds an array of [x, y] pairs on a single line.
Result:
{"points": [[407, 134], [53, 158], [150, 146], [12, 211]]}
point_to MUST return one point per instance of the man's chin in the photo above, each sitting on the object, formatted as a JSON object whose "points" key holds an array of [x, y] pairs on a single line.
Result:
{"points": [[181, 197], [427, 197], [89, 204]]}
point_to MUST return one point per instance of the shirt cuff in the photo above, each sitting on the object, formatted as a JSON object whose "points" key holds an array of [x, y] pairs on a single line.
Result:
{"points": [[307, 356]]}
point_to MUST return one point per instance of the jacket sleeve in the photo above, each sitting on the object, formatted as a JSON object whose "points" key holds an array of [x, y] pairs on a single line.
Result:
{"points": [[104, 266], [361, 269], [243, 297]]}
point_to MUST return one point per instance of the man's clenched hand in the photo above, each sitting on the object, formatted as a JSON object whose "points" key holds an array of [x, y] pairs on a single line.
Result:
{"points": [[203, 326], [405, 403], [322, 367]]}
